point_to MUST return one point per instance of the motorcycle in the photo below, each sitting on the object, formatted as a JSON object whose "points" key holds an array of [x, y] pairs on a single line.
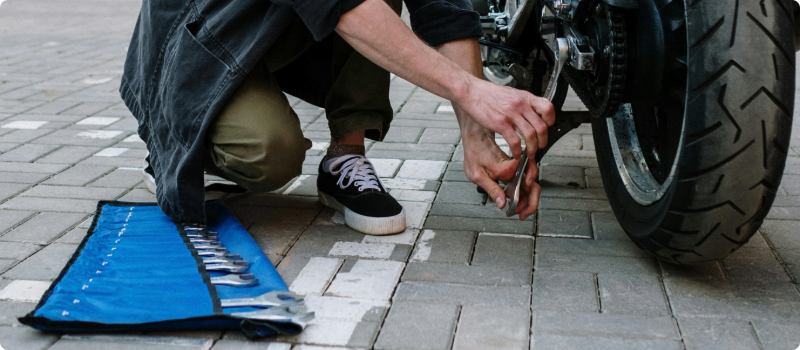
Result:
{"points": [[690, 103]]}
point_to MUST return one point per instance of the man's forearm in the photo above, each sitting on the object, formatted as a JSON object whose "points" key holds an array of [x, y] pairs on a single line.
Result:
{"points": [[467, 55], [375, 31]]}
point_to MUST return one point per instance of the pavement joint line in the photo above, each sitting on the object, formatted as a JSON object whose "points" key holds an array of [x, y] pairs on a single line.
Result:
{"points": [[509, 235]]}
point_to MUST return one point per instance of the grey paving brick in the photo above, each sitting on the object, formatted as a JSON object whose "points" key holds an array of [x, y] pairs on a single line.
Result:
{"points": [[553, 159], [418, 326], [588, 247], [589, 205], [21, 178], [605, 325], [542, 342], [44, 265], [25, 338], [782, 233], [501, 328], [69, 154], [11, 218], [78, 175], [595, 263], [564, 176], [463, 274], [443, 293], [573, 193], [420, 107], [754, 264], [452, 192], [632, 294], [51, 204], [439, 135], [416, 155], [11, 310], [139, 195], [503, 250], [783, 213], [18, 136], [593, 178], [32, 167], [403, 134], [605, 226], [129, 342], [717, 334], [232, 344], [441, 246], [436, 222], [711, 271], [120, 178], [5, 264], [43, 228], [563, 223], [74, 236], [473, 211], [17, 250], [8, 190], [27, 153], [117, 162], [564, 291], [49, 191], [774, 336]]}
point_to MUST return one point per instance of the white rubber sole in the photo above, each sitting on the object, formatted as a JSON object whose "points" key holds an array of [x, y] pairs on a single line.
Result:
{"points": [[149, 181], [366, 224]]}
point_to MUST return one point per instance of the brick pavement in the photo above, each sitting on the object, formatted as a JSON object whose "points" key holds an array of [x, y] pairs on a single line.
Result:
{"points": [[462, 276]]}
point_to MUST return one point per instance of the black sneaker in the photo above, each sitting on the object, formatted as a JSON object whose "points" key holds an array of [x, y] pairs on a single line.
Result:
{"points": [[349, 184]]}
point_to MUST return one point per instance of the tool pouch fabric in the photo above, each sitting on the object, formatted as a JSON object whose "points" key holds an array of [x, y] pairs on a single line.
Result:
{"points": [[136, 270]]}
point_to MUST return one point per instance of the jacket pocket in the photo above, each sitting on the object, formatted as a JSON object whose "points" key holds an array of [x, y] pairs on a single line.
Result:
{"points": [[191, 80]]}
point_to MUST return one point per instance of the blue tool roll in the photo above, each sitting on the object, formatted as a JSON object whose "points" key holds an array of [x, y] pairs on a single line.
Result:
{"points": [[136, 270]]}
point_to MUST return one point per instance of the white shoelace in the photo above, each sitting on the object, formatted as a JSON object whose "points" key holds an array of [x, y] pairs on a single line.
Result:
{"points": [[358, 169]]}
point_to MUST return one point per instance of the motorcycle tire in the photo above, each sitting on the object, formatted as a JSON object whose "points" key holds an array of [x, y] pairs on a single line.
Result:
{"points": [[734, 137]]}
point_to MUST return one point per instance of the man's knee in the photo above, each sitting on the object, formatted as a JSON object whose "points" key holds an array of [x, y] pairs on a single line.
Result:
{"points": [[263, 166]]}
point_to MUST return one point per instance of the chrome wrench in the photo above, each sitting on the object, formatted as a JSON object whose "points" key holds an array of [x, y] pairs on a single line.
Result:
{"points": [[279, 314], [243, 280], [274, 298], [512, 189], [234, 267], [226, 259]]}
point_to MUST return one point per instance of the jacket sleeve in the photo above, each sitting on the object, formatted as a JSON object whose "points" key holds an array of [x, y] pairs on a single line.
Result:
{"points": [[321, 16], [439, 21]]}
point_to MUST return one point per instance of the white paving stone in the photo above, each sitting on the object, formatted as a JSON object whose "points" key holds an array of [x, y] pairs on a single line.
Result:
{"points": [[362, 250], [423, 251], [98, 134], [404, 184], [97, 121], [133, 138], [409, 236], [386, 167], [23, 290], [111, 152], [297, 182], [416, 212], [445, 109], [315, 276], [344, 309], [95, 81], [320, 146], [422, 169], [24, 124], [324, 332], [413, 196], [368, 279]]}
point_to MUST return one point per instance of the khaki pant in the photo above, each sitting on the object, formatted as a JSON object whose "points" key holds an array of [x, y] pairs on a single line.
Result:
{"points": [[256, 140]]}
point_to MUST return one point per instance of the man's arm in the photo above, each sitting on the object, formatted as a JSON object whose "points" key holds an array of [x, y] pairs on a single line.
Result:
{"points": [[379, 34]]}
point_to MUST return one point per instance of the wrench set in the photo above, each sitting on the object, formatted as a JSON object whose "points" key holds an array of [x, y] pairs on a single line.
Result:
{"points": [[136, 270]]}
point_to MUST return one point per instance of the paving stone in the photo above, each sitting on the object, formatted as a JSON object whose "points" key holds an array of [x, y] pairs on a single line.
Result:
{"points": [[386, 168], [73, 192], [474, 211], [717, 334], [335, 333], [21, 178], [445, 293], [78, 175], [367, 279], [604, 325], [774, 336], [418, 326], [420, 107], [439, 246], [576, 342], [754, 264], [422, 169], [8, 190], [16, 250], [11, 218], [436, 222], [403, 134], [129, 342], [74, 236], [632, 294], [481, 327], [606, 227], [23, 135], [593, 178], [43, 228], [318, 240], [120, 178], [228, 344], [782, 233], [563, 223], [564, 291], [710, 271], [595, 263], [32, 167], [27, 153], [573, 193], [589, 247], [44, 265], [10, 311], [51, 204], [25, 338], [462, 274], [493, 249], [458, 193], [564, 176], [597, 205], [413, 196], [438, 135]]}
